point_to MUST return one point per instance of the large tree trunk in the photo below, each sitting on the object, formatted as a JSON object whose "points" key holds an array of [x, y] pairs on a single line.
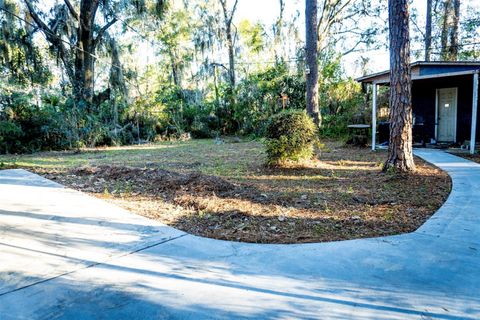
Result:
{"points": [[311, 60], [445, 28], [78, 58], [453, 48], [400, 156], [84, 61], [428, 32], [450, 27]]}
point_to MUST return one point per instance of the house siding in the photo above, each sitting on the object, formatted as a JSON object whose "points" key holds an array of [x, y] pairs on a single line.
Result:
{"points": [[423, 104]]}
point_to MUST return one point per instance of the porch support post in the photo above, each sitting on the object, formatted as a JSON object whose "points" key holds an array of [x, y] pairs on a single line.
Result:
{"points": [[374, 116], [474, 113]]}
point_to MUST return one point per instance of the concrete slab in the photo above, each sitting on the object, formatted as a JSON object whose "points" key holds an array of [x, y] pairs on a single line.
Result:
{"points": [[459, 218], [47, 230], [429, 274], [408, 277]]}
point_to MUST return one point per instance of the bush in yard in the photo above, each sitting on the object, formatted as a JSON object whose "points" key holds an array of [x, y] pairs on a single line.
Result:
{"points": [[27, 126], [290, 136], [259, 96]]}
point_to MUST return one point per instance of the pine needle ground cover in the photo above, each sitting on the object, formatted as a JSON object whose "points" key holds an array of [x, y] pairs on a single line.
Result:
{"points": [[225, 191]]}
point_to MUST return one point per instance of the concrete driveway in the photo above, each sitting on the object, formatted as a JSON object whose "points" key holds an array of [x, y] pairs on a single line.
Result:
{"points": [[65, 255]]}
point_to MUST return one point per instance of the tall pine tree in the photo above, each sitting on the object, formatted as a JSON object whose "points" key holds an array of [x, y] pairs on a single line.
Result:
{"points": [[400, 155]]}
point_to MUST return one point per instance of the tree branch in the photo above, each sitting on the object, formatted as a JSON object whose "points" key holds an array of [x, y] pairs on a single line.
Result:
{"points": [[71, 9], [219, 65], [233, 11], [54, 39], [102, 31], [420, 30], [42, 25], [353, 49], [322, 15]]}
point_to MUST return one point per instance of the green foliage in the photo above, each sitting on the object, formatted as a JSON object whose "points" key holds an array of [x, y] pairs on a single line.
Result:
{"points": [[183, 113], [290, 136], [21, 61], [10, 134], [341, 99], [253, 35], [25, 127], [200, 121], [199, 129], [30, 123], [148, 116], [184, 89], [259, 96]]}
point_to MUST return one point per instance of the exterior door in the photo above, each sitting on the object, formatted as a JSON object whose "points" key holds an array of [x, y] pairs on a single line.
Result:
{"points": [[447, 115]]}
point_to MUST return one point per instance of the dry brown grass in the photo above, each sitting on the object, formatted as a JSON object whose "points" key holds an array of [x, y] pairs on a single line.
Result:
{"points": [[226, 192]]}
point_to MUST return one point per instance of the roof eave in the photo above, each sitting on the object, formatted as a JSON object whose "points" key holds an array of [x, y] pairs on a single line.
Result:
{"points": [[430, 76], [371, 77]]}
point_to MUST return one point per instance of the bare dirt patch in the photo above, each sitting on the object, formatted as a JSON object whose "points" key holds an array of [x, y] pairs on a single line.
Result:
{"points": [[342, 194]]}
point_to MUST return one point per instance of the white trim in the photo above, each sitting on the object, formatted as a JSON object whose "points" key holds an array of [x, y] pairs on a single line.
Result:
{"points": [[455, 122], [374, 116], [436, 115], [474, 113], [455, 115]]}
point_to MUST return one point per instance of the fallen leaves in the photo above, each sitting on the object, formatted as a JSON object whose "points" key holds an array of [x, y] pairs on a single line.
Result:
{"points": [[343, 195]]}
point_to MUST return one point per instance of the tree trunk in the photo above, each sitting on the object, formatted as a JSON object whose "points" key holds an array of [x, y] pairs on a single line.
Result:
{"points": [[311, 60], [117, 79], [428, 32], [450, 27], [215, 85], [231, 56], [78, 58], [174, 65], [278, 37], [453, 48], [84, 61], [228, 32], [228, 18], [445, 29], [400, 156]]}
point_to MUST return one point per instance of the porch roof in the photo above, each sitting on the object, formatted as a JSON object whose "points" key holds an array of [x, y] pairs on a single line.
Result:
{"points": [[427, 70]]}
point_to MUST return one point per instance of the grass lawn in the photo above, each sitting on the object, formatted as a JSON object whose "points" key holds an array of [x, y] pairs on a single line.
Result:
{"points": [[224, 191]]}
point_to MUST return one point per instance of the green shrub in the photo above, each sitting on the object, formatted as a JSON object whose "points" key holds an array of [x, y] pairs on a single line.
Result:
{"points": [[290, 136], [27, 127], [199, 129], [340, 98], [259, 96], [10, 133]]}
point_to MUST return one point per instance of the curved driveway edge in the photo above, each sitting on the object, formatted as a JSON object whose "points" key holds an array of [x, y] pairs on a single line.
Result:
{"points": [[66, 255]]}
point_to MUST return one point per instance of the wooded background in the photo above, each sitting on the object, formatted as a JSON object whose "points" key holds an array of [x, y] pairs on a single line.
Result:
{"points": [[90, 72]]}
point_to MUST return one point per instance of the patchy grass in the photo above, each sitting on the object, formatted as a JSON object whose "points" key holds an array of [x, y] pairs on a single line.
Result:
{"points": [[225, 192]]}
